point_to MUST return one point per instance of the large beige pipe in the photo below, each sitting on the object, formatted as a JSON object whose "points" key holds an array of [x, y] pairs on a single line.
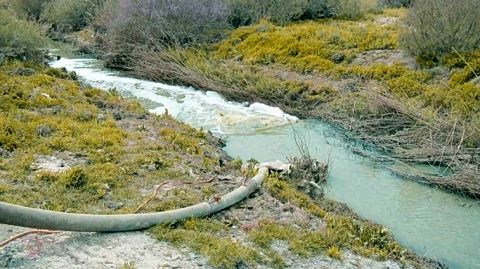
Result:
{"points": [[52, 220]]}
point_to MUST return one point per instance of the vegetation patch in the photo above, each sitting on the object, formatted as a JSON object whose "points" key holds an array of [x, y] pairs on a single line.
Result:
{"points": [[205, 237], [105, 148], [307, 46], [344, 230], [257, 243], [19, 38]]}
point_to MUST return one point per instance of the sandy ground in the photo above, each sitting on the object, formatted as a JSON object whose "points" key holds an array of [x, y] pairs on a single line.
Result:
{"points": [[93, 250]]}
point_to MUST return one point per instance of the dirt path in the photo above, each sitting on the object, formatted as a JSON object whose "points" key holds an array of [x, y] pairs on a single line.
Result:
{"points": [[93, 250]]}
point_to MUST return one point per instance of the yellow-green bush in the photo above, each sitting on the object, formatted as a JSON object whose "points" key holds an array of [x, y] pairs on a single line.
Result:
{"points": [[20, 39], [266, 43], [206, 237]]}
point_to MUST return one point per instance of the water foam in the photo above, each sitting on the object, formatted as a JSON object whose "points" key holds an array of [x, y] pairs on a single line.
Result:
{"points": [[208, 110]]}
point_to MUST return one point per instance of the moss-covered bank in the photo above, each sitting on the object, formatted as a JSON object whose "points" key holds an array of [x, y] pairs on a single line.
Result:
{"points": [[73, 148]]}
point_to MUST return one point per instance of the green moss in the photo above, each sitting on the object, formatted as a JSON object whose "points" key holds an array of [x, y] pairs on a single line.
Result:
{"points": [[47, 113], [182, 141], [128, 265], [348, 232], [47, 176], [205, 237], [285, 193], [4, 188], [74, 178], [306, 45], [453, 60], [301, 242], [328, 47]]}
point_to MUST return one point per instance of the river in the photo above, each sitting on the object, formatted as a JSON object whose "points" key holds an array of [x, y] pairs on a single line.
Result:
{"points": [[433, 223]]}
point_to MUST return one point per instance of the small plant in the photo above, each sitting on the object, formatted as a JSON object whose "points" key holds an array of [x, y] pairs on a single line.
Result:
{"points": [[128, 265], [334, 252], [207, 238], [74, 178], [47, 177]]}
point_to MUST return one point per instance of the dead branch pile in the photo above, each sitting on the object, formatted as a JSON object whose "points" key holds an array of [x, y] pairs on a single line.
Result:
{"points": [[403, 135]]}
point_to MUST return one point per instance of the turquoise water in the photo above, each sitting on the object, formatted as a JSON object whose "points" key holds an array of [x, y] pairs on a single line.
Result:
{"points": [[432, 222]]}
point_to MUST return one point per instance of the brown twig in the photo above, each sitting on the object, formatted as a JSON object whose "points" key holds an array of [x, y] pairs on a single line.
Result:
{"points": [[152, 196], [18, 236], [157, 189]]}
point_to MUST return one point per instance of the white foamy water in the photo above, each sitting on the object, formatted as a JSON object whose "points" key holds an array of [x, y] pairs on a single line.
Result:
{"points": [[207, 110]]}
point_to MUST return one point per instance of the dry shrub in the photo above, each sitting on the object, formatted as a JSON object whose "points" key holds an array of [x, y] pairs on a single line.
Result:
{"points": [[437, 26], [29, 8], [128, 23], [70, 15], [245, 12]]}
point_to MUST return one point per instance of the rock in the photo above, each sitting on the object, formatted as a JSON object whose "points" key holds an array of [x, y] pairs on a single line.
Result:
{"points": [[388, 57], [117, 115], [4, 153], [440, 72], [385, 21], [476, 81], [115, 205], [337, 58], [151, 167], [44, 130], [23, 71], [226, 177], [49, 164], [73, 75], [101, 117], [277, 166]]}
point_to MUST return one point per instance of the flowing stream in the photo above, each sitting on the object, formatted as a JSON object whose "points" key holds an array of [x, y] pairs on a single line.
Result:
{"points": [[432, 222]]}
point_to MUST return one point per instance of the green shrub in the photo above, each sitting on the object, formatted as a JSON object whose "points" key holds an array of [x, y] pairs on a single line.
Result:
{"points": [[20, 39], [437, 26], [246, 12], [395, 3], [243, 12], [30, 8], [316, 9], [352, 9], [70, 15]]}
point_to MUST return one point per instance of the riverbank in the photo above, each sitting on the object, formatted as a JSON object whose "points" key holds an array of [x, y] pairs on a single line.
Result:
{"points": [[352, 74], [63, 143]]}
